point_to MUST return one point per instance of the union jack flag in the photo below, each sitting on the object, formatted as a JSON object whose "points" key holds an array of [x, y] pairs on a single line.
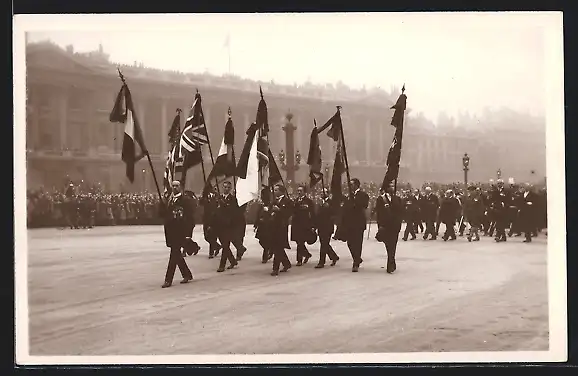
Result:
{"points": [[195, 133]]}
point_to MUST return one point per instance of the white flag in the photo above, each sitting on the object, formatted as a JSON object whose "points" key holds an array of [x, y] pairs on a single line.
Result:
{"points": [[248, 189]]}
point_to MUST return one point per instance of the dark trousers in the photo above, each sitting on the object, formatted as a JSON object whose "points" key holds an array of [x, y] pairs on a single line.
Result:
{"points": [[355, 245], [417, 224], [429, 229], [266, 251], [211, 238], [280, 257], [226, 254], [409, 228], [238, 243], [462, 227], [450, 230], [302, 252], [391, 247], [176, 259], [326, 250], [502, 223]]}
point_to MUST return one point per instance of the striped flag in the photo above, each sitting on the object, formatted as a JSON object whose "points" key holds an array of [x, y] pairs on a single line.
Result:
{"points": [[194, 135], [133, 147], [225, 162]]}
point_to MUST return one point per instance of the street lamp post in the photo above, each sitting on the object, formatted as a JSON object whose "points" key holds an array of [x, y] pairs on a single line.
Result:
{"points": [[466, 164], [144, 179]]}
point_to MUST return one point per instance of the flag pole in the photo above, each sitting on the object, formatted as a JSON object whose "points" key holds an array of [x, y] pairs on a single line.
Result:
{"points": [[229, 112], [146, 151], [210, 149], [344, 152]]}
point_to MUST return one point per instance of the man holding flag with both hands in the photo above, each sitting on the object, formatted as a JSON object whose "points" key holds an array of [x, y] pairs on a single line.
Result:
{"points": [[257, 177]]}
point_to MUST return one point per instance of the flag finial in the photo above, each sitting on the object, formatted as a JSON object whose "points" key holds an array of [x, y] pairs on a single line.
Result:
{"points": [[403, 88], [338, 108], [229, 111], [261, 91], [179, 110], [121, 75]]}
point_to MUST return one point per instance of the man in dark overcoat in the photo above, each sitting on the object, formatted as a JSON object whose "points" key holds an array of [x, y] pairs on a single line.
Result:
{"points": [[302, 224], [355, 222], [389, 209], [227, 214], [179, 217], [325, 223], [281, 208]]}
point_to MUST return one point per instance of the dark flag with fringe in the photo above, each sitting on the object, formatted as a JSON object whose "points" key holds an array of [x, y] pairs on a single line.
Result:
{"points": [[394, 155], [314, 158]]}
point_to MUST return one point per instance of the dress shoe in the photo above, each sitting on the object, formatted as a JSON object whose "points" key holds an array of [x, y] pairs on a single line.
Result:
{"points": [[319, 266], [220, 270], [333, 262], [306, 259], [285, 268], [211, 256], [274, 273], [263, 261], [186, 280], [355, 269], [413, 238], [391, 267], [527, 240], [404, 239], [166, 284], [232, 266], [299, 263]]}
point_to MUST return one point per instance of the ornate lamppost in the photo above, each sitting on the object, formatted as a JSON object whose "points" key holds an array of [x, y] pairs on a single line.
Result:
{"points": [[290, 161], [143, 179], [466, 164]]}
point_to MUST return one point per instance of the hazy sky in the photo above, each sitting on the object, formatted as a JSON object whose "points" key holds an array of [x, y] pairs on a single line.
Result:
{"points": [[449, 62]]}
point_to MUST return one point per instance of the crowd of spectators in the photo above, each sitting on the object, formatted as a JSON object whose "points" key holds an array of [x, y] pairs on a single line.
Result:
{"points": [[88, 206]]}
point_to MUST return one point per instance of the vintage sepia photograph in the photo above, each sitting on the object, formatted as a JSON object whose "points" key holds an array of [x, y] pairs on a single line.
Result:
{"points": [[289, 188]]}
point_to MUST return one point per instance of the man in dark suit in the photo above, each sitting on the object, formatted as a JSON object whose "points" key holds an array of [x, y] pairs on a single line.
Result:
{"points": [[389, 208], [179, 217], [355, 221], [528, 217], [281, 208], [429, 207], [325, 223], [302, 224], [209, 201], [411, 214], [227, 214]]}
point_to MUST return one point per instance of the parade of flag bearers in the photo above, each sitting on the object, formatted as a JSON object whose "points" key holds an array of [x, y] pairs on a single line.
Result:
{"points": [[231, 185]]}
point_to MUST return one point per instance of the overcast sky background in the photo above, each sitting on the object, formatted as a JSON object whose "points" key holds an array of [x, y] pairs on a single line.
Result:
{"points": [[449, 62]]}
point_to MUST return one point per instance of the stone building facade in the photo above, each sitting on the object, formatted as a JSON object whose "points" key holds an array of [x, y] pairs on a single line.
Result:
{"points": [[69, 136]]}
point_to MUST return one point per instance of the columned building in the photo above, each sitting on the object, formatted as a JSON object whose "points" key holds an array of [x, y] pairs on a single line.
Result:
{"points": [[69, 136]]}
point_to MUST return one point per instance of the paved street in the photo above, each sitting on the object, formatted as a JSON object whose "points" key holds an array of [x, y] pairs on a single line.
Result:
{"points": [[97, 292]]}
